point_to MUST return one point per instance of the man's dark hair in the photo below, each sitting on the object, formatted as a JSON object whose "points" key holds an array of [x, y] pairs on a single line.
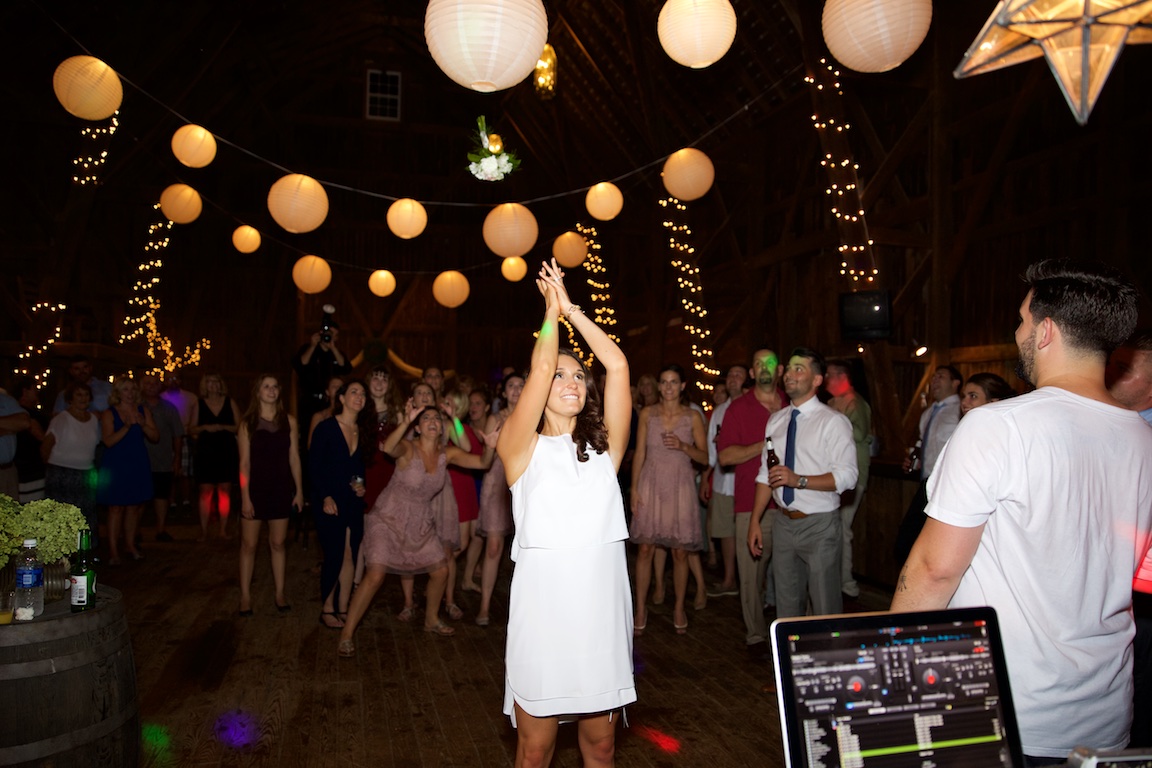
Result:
{"points": [[817, 365], [953, 372], [1140, 340], [1093, 305]]}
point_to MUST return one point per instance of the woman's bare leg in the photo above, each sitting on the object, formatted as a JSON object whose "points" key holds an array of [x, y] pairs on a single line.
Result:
{"points": [[249, 538], [535, 739], [277, 534], [493, 552]]}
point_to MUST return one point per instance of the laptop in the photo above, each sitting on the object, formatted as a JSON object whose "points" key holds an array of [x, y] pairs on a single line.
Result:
{"points": [[892, 690]]}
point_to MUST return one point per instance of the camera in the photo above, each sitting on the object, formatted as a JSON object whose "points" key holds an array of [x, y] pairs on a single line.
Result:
{"points": [[327, 323]]}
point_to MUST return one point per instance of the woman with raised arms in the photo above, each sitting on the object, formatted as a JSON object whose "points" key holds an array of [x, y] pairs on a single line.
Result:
{"points": [[569, 653]]}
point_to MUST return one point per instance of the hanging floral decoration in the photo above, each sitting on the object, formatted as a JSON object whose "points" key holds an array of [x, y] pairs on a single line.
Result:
{"points": [[489, 160]]}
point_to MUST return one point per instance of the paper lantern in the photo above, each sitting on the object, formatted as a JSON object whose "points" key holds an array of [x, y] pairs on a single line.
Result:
{"points": [[696, 33], [514, 269], [570, 249], [407, 218], [486, 45], [298, 203], [604, 201], [875, 35], [193, 146], [450, 288], [688, 174], [181, 203], [382, 283], [246, 239], [88, 88], [510, 230], [311, 274]]}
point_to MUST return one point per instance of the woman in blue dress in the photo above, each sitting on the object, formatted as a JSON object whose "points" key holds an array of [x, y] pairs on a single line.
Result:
{"points": [[125, 482]]}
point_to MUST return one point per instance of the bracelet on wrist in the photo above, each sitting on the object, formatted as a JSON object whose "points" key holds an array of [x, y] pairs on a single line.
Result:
{"points": [[574, 308]]}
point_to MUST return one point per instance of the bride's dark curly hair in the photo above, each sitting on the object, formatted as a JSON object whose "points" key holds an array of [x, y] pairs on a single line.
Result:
{"points": [[590, 429]]}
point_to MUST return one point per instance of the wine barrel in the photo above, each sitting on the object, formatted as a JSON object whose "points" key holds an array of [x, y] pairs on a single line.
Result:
{"points": [[68, 688]]}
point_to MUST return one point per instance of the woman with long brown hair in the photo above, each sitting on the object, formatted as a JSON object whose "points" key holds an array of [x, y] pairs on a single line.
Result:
{"points": [[270, 484]]}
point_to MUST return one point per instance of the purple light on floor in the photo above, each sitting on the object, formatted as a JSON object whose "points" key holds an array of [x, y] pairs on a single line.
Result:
{"points": [[237, 729]]}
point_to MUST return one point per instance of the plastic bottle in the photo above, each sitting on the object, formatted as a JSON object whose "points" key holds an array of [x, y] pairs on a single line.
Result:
{"points": [[29, 582]]}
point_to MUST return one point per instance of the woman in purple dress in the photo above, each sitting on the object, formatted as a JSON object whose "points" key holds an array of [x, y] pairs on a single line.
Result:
{"points": [[400, 531], [270, 484], [665, 512]]}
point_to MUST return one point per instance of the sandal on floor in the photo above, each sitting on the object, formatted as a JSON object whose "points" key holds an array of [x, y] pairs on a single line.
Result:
{"points": [[335, 617], [440, 629], [406, 614], [454, 612], [346, 649], [482, 621], [681, 629], [638, 629]]}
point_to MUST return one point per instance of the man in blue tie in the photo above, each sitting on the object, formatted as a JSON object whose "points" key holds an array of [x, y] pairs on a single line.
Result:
{"points": [[937, 423], [819, 463]]}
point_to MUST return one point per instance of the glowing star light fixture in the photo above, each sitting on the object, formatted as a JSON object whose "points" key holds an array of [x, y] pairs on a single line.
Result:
{"points": [[1080, 39]]}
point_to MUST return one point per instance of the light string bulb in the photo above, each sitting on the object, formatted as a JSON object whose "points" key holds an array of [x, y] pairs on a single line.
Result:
{"points": [[95, 155], [857, 261], [602, 311], [143, 306], [32, 360], [682, 258]]}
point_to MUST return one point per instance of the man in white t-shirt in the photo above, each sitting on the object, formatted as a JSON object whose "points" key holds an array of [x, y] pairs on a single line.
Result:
{"points": [[1040, 506]]}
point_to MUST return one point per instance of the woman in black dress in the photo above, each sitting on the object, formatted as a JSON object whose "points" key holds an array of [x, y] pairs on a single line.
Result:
{"points": [[336, 469], [217, 457], [270, 484]]}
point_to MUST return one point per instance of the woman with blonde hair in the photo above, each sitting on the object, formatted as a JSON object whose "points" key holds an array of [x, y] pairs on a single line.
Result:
{"points": [[217, 457], [270, 484], [125, 480]]}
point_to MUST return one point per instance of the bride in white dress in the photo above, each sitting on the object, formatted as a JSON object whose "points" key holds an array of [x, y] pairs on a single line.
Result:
{"points": [[569, 653]]}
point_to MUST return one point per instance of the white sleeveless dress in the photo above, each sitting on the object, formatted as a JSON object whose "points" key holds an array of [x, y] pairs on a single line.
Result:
{"points": [[569, 646]]}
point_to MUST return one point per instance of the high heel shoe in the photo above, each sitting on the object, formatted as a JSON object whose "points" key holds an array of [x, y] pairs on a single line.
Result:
{"points": [[335, 623], [681, 629], [346, 649]]}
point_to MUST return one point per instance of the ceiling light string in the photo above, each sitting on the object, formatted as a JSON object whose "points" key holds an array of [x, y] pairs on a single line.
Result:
{"points": [[681, 257], [857, 259], [88, 163], [33, 360], [602, 312]]}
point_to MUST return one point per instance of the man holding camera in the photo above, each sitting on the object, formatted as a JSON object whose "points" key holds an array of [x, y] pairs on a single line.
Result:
{"points": [[317, 362]]}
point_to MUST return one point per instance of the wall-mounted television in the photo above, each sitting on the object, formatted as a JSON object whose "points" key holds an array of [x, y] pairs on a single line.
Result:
{"points": [[865, 315]]}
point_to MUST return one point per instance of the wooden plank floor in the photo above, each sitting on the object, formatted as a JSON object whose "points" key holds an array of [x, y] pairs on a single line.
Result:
{"points": [[216, 689]]}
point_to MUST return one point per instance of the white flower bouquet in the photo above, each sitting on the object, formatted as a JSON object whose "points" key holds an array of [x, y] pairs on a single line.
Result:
{"points": [[489, 160]]}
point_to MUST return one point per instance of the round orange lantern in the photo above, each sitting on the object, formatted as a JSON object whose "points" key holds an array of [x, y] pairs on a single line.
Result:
{"points": [[181, 203], [88, 88], [407, 218], [510, 230], [382, 283], [193, 146], [604, 201], [486, 45], [311, 274], [570, 249], [298, 203], [514, 269], [450, 288], [875, 35], [688, 174], [246, 239], [696, 33]]}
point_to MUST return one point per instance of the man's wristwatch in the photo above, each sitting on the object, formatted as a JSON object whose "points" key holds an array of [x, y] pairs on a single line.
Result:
{"points": [[803, 483]]}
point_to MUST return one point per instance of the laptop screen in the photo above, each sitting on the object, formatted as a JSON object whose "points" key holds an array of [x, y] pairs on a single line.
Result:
{"points": [[885, 689]]}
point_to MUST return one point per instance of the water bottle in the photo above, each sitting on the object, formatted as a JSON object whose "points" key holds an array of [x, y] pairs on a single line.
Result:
{"points": [[29, 583]]}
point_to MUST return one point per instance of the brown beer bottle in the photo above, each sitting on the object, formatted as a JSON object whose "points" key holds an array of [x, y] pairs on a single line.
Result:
{"points": [[770, 457]]}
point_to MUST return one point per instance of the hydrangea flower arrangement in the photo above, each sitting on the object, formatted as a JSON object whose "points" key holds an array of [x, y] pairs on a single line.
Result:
{"points": [[489, 160], [54, 525]]}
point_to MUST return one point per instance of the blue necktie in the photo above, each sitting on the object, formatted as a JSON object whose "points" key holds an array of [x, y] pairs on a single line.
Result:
{"points": [[790, 455], [924, 438]]}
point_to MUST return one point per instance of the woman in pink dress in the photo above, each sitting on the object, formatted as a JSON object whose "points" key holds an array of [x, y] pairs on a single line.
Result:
{"points": [[665, 511], [467, 506], [400, 532]]}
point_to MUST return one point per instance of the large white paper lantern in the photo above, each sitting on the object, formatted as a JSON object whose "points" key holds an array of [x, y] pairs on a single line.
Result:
{"points": [[688, 174], [246, 238], [514, 269], [181, 203], [696, 33], [875, 35], [88, 88], [382, 283], [604, 201], [450, 288], [486, 45], [311, 274], [510, 230], [570, 249], [407, 218], [298, 203], [194, 146]]}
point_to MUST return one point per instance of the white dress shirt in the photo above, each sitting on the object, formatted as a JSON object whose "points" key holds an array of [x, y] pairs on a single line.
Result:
{"points": [[823, 444]]}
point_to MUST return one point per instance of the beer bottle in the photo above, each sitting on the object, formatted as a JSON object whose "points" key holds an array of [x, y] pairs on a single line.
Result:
{"points": [[915, 457], [770, 457], [83, 592]]}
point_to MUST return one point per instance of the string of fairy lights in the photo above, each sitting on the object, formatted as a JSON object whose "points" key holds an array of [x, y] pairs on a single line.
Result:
{"points": [[601, 296], [691, 291], [31, 362], [88, 164], [843, 191], [145, 305]]}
